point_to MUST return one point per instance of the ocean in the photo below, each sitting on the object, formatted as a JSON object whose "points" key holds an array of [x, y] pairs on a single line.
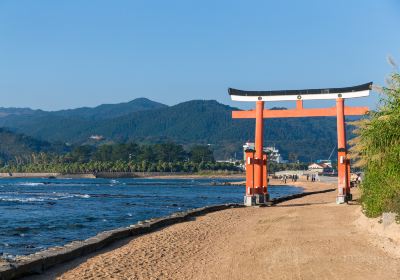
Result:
{"points": [[36, 214]]}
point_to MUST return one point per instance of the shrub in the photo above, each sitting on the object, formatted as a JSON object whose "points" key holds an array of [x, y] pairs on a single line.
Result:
{"points": [[378, 149]]}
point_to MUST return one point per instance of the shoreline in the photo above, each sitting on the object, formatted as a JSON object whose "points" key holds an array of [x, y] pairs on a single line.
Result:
{"points": [[120, 175]]}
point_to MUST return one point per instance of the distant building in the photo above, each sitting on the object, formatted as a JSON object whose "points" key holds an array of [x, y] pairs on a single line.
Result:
{"points": [[325, 161], [96, 137], [320, 168], [231, 160], [273, 153]]}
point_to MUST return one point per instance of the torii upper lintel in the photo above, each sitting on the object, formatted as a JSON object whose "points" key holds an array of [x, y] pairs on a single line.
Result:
{"points": [[302, 94]]}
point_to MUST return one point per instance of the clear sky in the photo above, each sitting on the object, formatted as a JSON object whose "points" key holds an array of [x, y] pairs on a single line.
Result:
{"points": [[66, 54]]}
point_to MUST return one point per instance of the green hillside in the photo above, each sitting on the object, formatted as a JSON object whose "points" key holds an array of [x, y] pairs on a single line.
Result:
{"points": [[209, 122], [18, 147], [109, 111], [188, 123]]}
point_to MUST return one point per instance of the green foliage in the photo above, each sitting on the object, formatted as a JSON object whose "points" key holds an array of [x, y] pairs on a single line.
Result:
{"points": [[201, 154], [19, 148], [275, 167], [378, 145], [131, 157]]}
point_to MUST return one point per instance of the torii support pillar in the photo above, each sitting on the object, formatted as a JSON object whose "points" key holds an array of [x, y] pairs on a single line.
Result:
{"points": [[256, 167], [344, 193]]}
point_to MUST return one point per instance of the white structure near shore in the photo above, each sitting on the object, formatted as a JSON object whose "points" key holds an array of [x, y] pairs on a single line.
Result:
{"points": [[320, 168], [273, 152]]}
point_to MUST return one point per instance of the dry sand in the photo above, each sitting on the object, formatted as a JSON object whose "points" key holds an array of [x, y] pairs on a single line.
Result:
{"points": [[306, 238]]}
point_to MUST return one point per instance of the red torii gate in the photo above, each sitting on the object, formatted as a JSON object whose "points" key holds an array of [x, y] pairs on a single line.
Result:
{"points": [[256, 161]]}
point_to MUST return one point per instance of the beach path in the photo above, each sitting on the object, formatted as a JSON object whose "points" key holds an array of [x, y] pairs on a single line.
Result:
{"points": [[306, 238]]}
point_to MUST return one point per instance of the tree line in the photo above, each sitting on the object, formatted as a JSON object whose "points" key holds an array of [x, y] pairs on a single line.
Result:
{"points": [[130, 157]]}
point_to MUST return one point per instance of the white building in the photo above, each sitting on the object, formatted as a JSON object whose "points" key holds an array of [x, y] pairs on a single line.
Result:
{"points": [[272, 152], [97, 137], [320, 168]]}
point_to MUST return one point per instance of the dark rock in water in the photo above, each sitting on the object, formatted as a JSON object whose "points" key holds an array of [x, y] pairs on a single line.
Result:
{"points": [[175, 205], [22, 229]]}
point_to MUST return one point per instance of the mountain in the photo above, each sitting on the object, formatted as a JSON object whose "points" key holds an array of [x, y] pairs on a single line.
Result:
{"points": [[108, 111], [69, 125], [192, 122], [209, 122], [15, 145], [4, 112]]}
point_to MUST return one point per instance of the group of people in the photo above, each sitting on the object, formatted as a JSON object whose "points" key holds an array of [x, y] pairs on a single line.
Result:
{"points": [[294, 178], [314, 177]]}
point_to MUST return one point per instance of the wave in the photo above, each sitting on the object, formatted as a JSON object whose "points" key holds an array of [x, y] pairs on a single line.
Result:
{"points": [[82, 195], [22, 200], [40, 197], [31, 184]]}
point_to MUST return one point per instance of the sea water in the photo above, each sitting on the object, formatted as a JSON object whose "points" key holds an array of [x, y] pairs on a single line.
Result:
{"points": [[36, 214]]}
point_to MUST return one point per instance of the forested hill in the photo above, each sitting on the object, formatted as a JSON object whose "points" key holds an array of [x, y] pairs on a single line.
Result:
{"points": [[109, 111], [209, 122], [104, 111], [192, 122], [18, 147]]}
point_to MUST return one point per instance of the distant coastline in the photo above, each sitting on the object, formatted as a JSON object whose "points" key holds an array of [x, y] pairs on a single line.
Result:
{"points": [[112, 175]]}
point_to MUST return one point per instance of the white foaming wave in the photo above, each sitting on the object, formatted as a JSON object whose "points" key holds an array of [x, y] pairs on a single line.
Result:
{"points": [[23, 200], [63, 195], [43, 197], [31, 184], [82, 195]]}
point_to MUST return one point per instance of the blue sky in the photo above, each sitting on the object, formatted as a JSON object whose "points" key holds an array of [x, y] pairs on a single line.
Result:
{"points": [[66, 54]]}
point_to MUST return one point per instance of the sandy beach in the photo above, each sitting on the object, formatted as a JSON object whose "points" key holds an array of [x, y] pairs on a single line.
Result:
{"points": [[306, 238]]}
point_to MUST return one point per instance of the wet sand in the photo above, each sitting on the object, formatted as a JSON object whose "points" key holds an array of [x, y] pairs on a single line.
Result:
{"points": [[199, 176], [305, 238]]}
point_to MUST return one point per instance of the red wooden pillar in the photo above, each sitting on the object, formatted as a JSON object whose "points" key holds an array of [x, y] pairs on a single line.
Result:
{"points": [[348, 178], [342, 153], [265, 178], [256, 186], [258, 167], [348, 167], [249, 173]]}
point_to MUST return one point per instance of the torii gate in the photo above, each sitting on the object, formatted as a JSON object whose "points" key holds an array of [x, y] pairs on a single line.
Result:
{"points": [[256, 161]]}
